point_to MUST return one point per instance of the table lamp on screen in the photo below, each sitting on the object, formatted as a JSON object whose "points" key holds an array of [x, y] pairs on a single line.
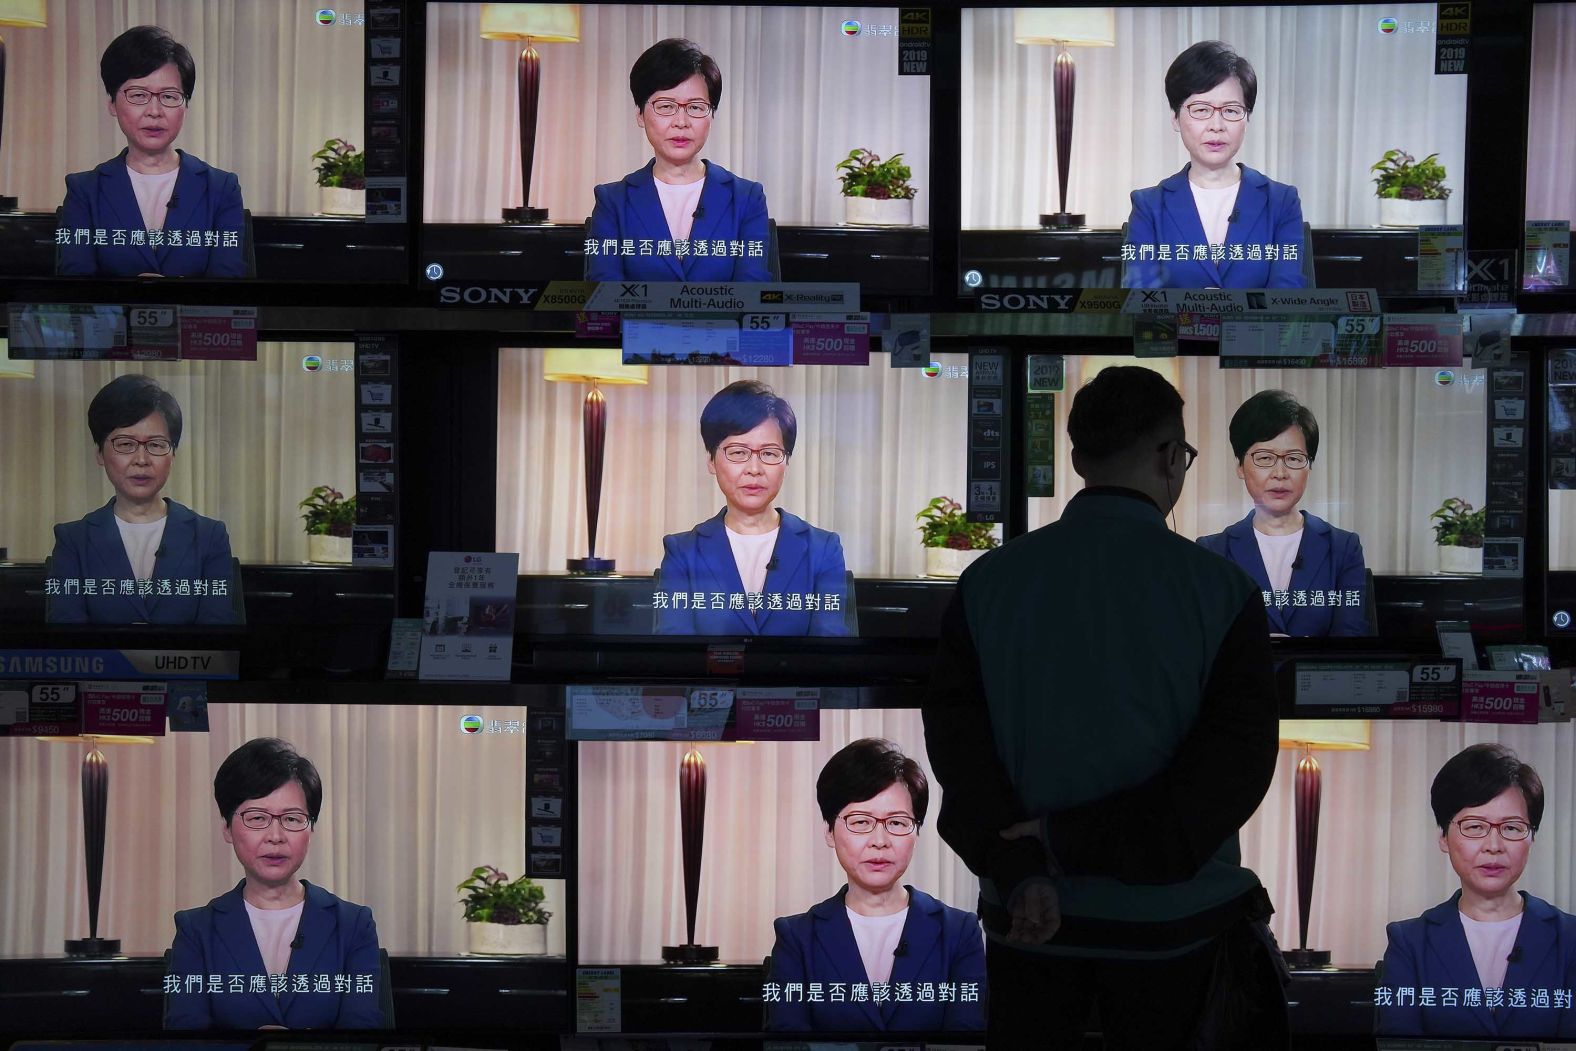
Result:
{"points": [[95, 808], [596, 367], [534, 24], [1064, 28], [27, 14], [1307, 736], [692, 830]]}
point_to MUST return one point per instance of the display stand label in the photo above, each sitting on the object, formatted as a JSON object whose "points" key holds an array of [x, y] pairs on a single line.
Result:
{"points": [[1424, 689]]}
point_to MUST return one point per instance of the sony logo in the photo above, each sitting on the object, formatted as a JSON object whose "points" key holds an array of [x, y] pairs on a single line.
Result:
{"points": [[479, 295], [1021, 301]]}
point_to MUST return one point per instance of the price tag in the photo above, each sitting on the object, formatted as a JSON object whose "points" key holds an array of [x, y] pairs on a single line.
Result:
{"points": [[762, 322], [67, 331], [1429, 689], [1433, 342], [219, 333], [135, 708], [1358, 325], [821, 342], [1500, 697], [766, 714], [1439, 258]]}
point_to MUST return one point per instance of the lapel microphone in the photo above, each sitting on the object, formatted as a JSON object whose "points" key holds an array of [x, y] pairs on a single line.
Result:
{"points": [[902, 948]]}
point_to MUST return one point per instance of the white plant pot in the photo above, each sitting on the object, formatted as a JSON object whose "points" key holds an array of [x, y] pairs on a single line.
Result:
{"points": [[330, 550], [337, 200], [508, 939], [1397, 211], [948, 561], [1453, 559], [871, 211]]}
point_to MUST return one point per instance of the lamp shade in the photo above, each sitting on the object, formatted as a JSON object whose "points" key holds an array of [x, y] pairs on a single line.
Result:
{"points": [[1326, 735], [26, 13], [591, 365], [543, 23], [14, 368], [1072, 26]]}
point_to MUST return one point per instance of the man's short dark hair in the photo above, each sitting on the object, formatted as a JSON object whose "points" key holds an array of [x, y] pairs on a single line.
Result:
{"points": [[141, 50], [1268, 413], [865, 769], [1204, 65], [1119, 408], [260, 767], [669, 63], [742, 406], [1477, 774], [126, 400]]}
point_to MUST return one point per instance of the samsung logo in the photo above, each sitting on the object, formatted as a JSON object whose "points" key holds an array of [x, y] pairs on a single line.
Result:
{"points": [[480, 295], [41, 665], [1026, 301]]}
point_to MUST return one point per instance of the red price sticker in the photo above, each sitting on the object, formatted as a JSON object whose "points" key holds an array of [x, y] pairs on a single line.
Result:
{"points": [[1428, 344], [1500, 697], [219, 333], [830, 343]]}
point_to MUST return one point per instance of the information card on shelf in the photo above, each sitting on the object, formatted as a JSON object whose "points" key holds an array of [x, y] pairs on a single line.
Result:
{"points": [[1423, 689], [468, 616]]}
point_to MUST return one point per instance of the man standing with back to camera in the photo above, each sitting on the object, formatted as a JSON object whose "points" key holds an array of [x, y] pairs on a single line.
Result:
{"points": [[1102, 721]]}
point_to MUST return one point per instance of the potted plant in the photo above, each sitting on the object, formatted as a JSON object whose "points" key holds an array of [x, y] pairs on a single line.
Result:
{"points": [[876, 192], [329, 517], [1458, 530], [1411, 192], [505, 917], [951, 540], [341, 178]]}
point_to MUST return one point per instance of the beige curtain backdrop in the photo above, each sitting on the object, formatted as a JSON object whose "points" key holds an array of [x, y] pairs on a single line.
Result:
{"points": [[1551, 149], [272, 86], [766, 857], [875, 444], [1393, 444], [797, 96], [258, 436], [1334, 95], [410, 806]]}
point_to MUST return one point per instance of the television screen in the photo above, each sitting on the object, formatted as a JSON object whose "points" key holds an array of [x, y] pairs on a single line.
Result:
{"points": [[1211, 147], [674, 143], [1384, 477], [257, 807], [730, 501], [203, 139], [150, 484], [1551, 156]]}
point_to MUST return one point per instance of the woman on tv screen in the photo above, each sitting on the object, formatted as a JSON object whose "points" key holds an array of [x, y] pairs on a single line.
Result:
{"points": [[1245, 221], [753, 569], [271, 929], [1312, 571], [1492, 962], [877, 929], [152, 210], [142, 558], [675, 214]]}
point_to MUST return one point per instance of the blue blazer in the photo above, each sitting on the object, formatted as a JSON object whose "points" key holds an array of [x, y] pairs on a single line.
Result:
{"points": [[1328, 559], [337, 937], [731, 209], [1432, 951], [1268, 212], [944, 945], [205, 199], [193, 548], [805, 560]]}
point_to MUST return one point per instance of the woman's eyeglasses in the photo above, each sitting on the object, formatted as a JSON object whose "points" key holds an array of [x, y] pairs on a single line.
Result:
{"points": [[771, 456], [167, 99], [1513, 830], [1232, 111], [292, 820], [864, 824], [128, 446], [667, 108], [1294, 461]]}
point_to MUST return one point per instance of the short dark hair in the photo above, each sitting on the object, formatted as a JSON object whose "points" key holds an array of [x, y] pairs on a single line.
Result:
{"points": [[865, 769], [1265, 415], [139, 51], [1204, 65], [1120, 407], [669, 63], [257, 769], [125, 400], [1477, 774], [742, 406]]}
